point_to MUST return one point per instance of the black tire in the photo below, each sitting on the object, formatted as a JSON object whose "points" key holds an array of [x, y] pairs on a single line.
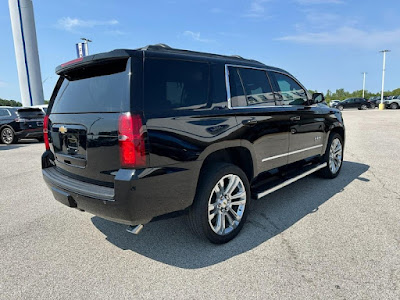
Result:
{"points": [[329, 171], [206, 197], [394, 106], [40, 139], [7, 136], [340, 107], [372, 105], [363, 107]]}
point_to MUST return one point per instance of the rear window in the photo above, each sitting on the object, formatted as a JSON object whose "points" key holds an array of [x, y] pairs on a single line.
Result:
{"points": [[96, 88], [30, 113], [173, 85]]}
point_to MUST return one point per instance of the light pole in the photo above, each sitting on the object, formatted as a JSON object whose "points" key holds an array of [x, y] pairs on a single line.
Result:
{"points": [[381, 105], [363, 82], [86, 41]]}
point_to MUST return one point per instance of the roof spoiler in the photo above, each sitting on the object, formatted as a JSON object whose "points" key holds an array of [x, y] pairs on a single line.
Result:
{"points": [[82, 61]]}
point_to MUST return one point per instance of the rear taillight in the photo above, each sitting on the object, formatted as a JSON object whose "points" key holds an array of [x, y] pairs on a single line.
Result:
{"points": [[46, 132], [131, 141]]}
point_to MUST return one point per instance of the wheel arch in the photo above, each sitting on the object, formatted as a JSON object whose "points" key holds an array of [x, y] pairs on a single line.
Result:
{"points": [[336, 129], [237, 155]]}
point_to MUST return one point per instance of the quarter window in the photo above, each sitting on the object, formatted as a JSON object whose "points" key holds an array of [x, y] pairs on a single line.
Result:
{"points": [[288, 90], [175, 85]]}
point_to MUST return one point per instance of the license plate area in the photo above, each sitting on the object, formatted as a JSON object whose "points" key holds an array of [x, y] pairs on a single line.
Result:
{"points": [[70, 144]]}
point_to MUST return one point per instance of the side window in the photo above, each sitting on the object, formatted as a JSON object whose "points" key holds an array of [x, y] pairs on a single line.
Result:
{"points": [[175, 85], [358, 100], [257, 87], [250, 87], [218, 97], [4, 113], [238, 96], [288, 90]]}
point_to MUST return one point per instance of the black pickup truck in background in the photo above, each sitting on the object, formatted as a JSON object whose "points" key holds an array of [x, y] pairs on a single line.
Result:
{"points": [[136, 135], [20, 122]]}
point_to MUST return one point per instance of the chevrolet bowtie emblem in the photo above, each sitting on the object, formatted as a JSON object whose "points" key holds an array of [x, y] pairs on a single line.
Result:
{"points": [[63, 129]]}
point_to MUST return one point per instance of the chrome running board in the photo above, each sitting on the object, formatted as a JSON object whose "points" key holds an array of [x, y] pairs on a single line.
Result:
{"points": [[291, 180]]}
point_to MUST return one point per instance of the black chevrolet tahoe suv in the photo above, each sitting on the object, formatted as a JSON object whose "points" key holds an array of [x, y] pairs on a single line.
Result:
{"points": [[133, 136], [19, 123]]}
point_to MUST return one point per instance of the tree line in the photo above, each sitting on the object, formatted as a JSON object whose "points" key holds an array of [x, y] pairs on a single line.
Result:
{"points": [[13, 103], [4, 102]]}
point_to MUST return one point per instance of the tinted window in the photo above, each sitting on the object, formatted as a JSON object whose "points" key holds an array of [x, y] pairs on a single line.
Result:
{"points": [[238, 96], [289, 90], [4, 113], [30, 113], [257, 87], [250, 87], [97, 88], [175, 85], [218, 97]]}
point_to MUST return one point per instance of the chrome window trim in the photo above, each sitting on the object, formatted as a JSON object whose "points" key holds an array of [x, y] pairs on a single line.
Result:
{"points": [[228, 87], [291, 153]]}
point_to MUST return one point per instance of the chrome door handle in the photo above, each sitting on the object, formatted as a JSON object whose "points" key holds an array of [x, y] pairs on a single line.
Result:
{"points": [[249, 122], [296, 118]]}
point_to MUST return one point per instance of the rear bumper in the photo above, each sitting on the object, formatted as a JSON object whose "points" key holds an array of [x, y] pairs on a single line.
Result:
{"points": [[138, 196]]}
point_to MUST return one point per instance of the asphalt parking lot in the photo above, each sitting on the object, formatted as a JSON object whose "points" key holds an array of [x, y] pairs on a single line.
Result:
{"points": [[315, 239]]}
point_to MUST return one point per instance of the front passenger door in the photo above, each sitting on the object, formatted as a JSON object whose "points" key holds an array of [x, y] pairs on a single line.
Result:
{"points": [[306, 122]]}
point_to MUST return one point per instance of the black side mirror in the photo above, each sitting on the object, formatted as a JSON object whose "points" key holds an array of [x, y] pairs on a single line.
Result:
{"points": [[318, 98]]}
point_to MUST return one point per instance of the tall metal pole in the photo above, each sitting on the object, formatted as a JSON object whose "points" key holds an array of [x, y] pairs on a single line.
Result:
{"points": [[26, 51], [381, 105], [86, 41], [363, 83]]}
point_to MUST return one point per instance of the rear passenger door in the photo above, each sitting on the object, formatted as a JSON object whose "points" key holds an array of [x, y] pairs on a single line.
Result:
{"points": [[185, 106], [306, 122], [358, 102], [264, 125], [350, 103]]}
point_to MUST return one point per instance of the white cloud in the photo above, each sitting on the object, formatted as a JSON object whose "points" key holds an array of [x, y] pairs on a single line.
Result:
{"points": [[257, 9], [311, 2], [71, 24], [196, 36], [348, 36], [3, 83]]}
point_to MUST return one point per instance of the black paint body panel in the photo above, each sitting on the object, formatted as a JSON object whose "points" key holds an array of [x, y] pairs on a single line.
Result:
{"points": [[177, 142]]}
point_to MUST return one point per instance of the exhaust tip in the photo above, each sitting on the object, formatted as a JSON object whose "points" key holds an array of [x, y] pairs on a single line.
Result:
{"points": [[135, 229]]}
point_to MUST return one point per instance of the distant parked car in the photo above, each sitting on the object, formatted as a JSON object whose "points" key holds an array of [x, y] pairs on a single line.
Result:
{"points": [[393, 102], [377, 100], [333, 102], [17, 123], [359, 103]]}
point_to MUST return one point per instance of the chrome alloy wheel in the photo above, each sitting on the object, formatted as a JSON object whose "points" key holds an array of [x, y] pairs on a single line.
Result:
{"points": [[7, 136], [226, 204], [335, 156]]}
